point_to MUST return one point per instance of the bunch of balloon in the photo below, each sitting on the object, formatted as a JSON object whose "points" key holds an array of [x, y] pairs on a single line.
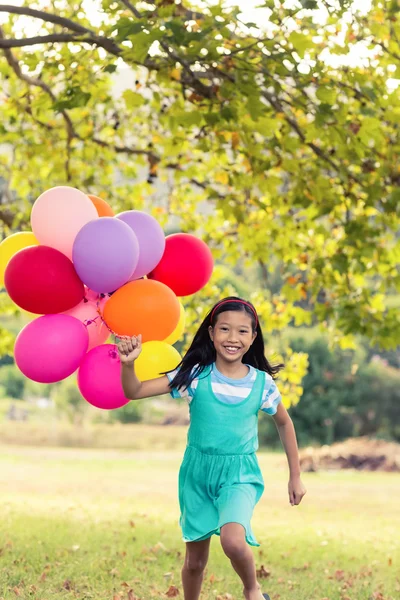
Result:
{"points": [[88, 273]]}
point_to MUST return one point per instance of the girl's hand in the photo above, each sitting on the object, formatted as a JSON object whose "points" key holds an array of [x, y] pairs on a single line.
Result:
{"points": [[296, 490], [129, 349]]}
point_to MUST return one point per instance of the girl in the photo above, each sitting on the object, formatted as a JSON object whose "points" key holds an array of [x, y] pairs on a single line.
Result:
{"points": [[227, 380]]}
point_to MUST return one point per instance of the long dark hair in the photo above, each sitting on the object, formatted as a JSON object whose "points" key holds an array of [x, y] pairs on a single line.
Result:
{"points": [[202, 351]]}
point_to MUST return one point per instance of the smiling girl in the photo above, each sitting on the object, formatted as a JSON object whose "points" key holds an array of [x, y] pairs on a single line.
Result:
{"points": [[227, 380]]}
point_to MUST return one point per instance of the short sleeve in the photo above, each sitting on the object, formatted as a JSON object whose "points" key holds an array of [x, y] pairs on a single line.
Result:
{"points": [[182, 392], [271, 396]]}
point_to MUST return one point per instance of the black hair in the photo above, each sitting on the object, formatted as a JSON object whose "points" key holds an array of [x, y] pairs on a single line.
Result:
{"points": [[202, 351]]}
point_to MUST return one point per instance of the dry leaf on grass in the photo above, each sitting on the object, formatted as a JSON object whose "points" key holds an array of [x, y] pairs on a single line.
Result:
{"points": [[339, 575], [172, 592], [263, 573]]}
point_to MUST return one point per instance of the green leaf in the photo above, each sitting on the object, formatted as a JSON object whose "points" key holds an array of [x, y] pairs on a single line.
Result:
{"points": [[177, 29], [133, 99], [110, 68], [300, 42], [74, 97], [327, 95], [127, 27], [310, 4], [267, 126]]}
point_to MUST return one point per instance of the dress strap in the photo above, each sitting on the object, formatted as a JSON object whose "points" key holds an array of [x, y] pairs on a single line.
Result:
{"points": [[202, 380], [258, 387]]}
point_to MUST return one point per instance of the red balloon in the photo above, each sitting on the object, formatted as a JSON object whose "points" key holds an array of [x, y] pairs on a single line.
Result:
{"points": [[186, 265], [42, 280]]}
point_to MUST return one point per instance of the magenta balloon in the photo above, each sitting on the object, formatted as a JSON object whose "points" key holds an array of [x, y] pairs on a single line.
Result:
{"points": [[99, 378], [51, 348], [105, 254], [151, 240]]}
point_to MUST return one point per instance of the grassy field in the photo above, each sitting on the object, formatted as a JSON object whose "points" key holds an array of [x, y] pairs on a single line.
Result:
{"points": [[102, 525]]}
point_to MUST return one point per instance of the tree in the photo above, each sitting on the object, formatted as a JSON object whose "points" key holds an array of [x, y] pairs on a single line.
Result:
{"points": [[296, 157]]}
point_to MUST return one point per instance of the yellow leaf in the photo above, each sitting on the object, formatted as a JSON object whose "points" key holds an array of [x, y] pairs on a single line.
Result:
{"points": [[222, 177], [176, 74], [235, 140]]}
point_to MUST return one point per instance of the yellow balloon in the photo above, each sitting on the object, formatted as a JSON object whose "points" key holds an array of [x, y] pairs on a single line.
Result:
{"points": [[179, 329], [155, 358], [11, 245]]}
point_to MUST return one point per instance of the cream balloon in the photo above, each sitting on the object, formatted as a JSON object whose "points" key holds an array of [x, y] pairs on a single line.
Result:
{"points": [[59, 214], [11, 245], [155, 358], [179, 329]]}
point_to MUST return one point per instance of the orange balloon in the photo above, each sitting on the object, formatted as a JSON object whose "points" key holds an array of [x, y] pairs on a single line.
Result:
{"points": [[144, 306], [103, 209]]}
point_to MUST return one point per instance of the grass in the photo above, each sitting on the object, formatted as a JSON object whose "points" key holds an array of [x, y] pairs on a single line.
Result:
{"points": [[52, 432], [95, 524]]}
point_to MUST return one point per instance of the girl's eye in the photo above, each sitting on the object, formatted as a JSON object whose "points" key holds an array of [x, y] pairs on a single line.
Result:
{"points": [[243, 331], [224, 328]]}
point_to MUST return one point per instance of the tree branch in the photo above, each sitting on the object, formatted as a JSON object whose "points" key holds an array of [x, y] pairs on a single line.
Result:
{"points": [[44, 16], [71, 132], [105, 43], [132, 8], [32, 81], [89, 36]]}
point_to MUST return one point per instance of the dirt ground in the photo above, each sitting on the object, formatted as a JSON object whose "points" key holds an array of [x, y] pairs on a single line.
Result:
{"points": [[361, 453]]}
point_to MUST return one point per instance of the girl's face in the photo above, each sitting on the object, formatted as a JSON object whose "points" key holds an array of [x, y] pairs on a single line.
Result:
{"points": [[232, 335]]}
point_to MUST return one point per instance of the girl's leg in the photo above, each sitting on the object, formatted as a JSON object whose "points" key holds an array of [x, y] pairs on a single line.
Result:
{"points": [[193, 568], [233, 542]]}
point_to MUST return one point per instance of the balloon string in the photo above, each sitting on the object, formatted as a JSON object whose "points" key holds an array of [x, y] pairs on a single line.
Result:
{"points": [[88, 322]]}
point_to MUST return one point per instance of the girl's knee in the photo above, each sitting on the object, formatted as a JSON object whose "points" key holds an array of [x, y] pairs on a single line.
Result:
{"points": [[195, 564], [233, 546], [196, 556]]}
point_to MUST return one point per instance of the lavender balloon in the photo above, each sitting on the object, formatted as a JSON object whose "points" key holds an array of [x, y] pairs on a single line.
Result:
{"points": [[105, 254], [151, 240]]}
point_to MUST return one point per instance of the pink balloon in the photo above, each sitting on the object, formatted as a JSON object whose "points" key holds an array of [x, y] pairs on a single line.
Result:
{"points": [[86, 312], [99, 378], [59, 214], [51, 348], [90, 294]]}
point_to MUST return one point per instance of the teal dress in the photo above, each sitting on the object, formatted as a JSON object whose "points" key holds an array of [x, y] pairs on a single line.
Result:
{"points": [[220, 479]]}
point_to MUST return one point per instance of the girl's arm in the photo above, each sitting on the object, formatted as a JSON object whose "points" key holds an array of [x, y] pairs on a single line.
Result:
{"points": [[129, 349], [287, 434]]}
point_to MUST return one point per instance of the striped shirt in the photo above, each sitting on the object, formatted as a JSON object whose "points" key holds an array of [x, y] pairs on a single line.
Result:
{"points": [[230, 390]]}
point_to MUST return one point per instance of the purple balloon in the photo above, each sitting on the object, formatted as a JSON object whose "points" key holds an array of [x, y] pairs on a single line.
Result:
{"points": [[105, 254], [99, 378], [151, 240], [51, 348]]}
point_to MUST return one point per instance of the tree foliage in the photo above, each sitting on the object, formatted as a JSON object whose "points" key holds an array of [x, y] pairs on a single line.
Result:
{"points": [[297, 157], [345, 395]]}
